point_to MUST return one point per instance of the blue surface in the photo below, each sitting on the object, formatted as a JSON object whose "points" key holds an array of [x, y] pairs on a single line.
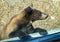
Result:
{"points": [[45, 38]]}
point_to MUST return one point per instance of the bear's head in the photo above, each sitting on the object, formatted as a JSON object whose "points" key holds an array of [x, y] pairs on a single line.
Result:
{"points": [[34, 14]]}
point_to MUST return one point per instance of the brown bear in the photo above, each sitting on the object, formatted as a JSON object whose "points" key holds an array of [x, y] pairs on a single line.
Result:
{"points": [[23, 18]]}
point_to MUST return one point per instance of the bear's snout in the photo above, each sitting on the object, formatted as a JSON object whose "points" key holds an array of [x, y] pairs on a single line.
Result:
{"points": [[44, 16]]}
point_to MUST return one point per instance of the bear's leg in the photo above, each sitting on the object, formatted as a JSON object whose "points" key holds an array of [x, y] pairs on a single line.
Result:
{"points": [[17, 32], [30, 29], [41, 31]]}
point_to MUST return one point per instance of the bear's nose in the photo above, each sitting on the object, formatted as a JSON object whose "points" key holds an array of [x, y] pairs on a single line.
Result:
{"points": [[29, 10]]}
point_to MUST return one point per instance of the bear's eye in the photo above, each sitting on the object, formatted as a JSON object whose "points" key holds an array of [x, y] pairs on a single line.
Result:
{"points": [[39, 14]]}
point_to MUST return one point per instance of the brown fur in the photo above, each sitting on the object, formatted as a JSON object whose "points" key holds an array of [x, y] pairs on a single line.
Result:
{"points": [[22, 18]]}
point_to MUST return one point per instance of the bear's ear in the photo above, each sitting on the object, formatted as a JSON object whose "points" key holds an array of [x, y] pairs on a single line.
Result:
{"points": [[28, 10]]}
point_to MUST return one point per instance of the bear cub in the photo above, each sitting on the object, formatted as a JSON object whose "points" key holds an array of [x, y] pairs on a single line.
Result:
{"points": [[15, 26]]}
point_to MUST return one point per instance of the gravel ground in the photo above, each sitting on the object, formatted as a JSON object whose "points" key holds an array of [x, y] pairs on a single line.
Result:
{"points": [[9, 8]]}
